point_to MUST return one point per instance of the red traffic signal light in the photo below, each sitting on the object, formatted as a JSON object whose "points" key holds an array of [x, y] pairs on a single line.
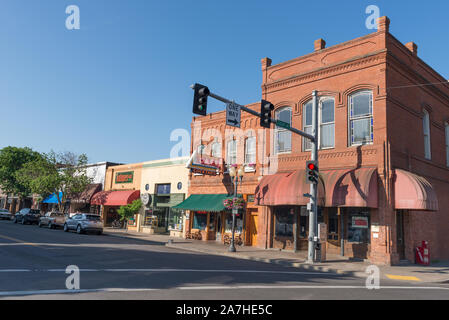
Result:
{"points": [[311, 172]]}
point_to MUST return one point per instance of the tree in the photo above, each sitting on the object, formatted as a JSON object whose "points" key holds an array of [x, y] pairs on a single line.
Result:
{"points": [[56, 173], [12, 159], [130, 210]]}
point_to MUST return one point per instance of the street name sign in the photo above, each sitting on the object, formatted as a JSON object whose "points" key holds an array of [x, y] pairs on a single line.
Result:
{"points": [[233, 113]]}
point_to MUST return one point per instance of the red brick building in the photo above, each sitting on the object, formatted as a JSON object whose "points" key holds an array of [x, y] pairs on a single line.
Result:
{"points": [[383, 159]]}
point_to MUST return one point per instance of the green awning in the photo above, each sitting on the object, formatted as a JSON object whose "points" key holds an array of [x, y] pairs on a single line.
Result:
{"points": [[204, 202]]}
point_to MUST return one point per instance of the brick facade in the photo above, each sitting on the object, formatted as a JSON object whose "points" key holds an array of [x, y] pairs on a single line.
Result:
{"points": [[392, 71]]}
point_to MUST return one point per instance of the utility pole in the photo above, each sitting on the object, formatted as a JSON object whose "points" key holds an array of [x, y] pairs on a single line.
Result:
{"points": [[201, 90], [313, 202]]}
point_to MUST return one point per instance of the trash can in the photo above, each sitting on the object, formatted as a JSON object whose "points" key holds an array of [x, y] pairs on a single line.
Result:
{"points": [[318, 252]]}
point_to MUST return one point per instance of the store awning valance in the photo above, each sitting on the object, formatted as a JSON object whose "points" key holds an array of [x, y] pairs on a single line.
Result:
{"points": [[87, 194], [413, 192], [204, 202], [351, 187], [52, 198], [283, 189], [115, 198]]}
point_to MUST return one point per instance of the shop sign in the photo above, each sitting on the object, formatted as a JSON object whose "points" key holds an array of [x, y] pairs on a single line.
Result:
{"points": [[375, 228], [203, 164], [124, 177], [360, 222]]}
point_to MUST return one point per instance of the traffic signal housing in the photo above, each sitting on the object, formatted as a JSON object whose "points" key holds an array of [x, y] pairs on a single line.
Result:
{"points": [[200, 99], [311, 172], [266, 108]]}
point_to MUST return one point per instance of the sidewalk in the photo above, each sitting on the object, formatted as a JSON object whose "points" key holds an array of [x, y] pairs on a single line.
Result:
{"points": [[436, 273]]}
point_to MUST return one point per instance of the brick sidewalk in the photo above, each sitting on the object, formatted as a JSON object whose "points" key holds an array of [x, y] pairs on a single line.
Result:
{"points": [[436, 273]]}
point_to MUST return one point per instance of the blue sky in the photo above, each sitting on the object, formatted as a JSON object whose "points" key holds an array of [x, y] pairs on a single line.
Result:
{"points": [[116, 88]]}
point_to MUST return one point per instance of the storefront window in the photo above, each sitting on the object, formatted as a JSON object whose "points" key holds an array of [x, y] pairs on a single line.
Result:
{"points": [[175, 220], [162, 217], [284, 222], [212, 221], [150, 220], [199, 221], [332, 225], [358, 225], [238, 223]]}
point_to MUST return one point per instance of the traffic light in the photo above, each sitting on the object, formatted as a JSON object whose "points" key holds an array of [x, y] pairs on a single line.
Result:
{"points": [[200, 99], [265, 113], [311, 172]]}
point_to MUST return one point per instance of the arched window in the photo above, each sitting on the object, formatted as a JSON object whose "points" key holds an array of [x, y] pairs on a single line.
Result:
{"points": [[216, 149], [283, 137], [326, 121], [231, 153], [426, 132], [250, 150], [361, 118]]}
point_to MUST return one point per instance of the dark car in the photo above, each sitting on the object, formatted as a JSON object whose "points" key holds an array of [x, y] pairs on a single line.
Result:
{"points": [[27, 215], [84, 222]]}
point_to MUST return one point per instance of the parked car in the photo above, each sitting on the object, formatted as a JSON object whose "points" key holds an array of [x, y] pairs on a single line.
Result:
{"points": [[84, 222], [27, 215], [5, 214], [52, 220]]}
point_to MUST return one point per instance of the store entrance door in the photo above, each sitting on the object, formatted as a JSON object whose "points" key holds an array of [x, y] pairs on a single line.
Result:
{"points": [[253, 226], [400, 239]]}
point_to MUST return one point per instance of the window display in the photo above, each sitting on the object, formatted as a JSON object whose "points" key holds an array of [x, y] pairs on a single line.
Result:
{"points": [[358, 225]]}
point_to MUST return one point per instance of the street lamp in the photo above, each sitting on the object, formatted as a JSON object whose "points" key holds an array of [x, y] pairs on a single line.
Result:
{"points": [[234, 174]]}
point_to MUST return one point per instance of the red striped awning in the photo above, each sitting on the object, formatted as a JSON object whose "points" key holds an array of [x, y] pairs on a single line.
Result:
{"points": [[115, 198], [282, 189], [351, 187], [413, 192]]}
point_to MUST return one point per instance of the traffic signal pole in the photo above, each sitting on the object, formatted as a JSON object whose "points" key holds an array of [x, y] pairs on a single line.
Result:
{"points": [[313, 208]]}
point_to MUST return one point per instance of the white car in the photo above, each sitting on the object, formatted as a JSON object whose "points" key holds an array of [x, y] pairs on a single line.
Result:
{"points": [[5, 214]]}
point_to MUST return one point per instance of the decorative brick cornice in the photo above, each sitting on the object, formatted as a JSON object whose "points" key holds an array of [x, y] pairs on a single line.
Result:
{"points": [[327, 155], [351, 65]]}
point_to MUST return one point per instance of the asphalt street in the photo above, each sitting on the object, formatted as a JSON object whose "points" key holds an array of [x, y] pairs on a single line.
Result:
{"points": [[33, 262]]}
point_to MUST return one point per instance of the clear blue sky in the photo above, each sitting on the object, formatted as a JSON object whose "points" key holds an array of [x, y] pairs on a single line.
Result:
{"points": [[117, 87]]}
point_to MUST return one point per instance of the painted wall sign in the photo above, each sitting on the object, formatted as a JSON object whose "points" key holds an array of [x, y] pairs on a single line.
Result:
{"points": [[124, 177], [360, 222]]}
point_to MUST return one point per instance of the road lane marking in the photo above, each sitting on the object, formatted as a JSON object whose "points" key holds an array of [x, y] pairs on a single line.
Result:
{"points": [[66, 291], [168, 270], [407, 278], [22, 242]]}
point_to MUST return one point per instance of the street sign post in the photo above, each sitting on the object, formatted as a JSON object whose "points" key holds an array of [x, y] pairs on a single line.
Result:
{"points": [[233, 111], [233, 114]]}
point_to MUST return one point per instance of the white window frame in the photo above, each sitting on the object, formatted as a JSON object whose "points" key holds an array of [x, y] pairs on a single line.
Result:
{"points": [[253, 153], [213, 147], [320, 122], [278, 129], [355, 118], [426, 134], [229, 154]]}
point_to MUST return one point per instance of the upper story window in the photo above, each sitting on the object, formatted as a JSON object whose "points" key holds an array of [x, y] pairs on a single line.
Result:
{"points": [[326, 120], [231, 152], [361, 118], [250, 150], [283, 137], [426, 131], [216, 149], [163, 188]]}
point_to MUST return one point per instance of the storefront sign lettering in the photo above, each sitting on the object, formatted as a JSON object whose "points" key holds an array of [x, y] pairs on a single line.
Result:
{"points": [[360, 222], [124, 177]]}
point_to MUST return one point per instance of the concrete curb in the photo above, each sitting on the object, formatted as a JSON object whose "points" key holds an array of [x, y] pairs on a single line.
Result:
{"points": [[298, 265]]}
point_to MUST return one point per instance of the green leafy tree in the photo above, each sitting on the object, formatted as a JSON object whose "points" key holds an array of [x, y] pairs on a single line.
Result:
{"points": [[12, 159], [130, 210], [56, 173]]}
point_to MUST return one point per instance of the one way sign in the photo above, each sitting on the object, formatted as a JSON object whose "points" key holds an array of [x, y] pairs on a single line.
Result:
{"points": [[233, 115]]}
